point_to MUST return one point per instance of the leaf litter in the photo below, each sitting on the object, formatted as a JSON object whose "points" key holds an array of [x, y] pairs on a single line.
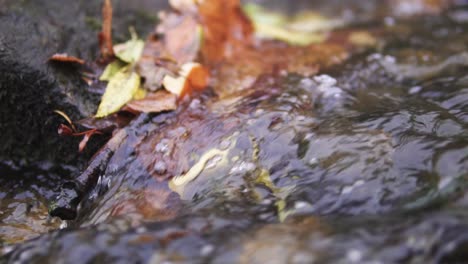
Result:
{"points": [[212, 43]]}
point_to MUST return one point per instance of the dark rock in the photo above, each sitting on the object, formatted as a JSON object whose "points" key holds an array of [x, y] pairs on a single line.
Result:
{"points": [[31, 88]]}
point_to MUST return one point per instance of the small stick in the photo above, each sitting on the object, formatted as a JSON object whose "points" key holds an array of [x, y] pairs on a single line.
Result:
{"points": [[105, 36]]}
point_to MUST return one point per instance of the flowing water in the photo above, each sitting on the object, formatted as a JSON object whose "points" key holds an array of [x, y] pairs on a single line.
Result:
{"points": [[366, 162]]}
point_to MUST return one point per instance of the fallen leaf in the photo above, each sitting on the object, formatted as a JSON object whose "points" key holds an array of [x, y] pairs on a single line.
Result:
{"points": [[131, 50], [192, 77], [289, 36], [120, 90], [176, 85], [225, 29], [67, 118], [65, 130], [310, 21], [63, 57], [182, 37], [105, 36], [197, 76], [362, 38], [155, 102], [148, 68], [302, 29], [111, 69], [87, 135], [140, 94]]}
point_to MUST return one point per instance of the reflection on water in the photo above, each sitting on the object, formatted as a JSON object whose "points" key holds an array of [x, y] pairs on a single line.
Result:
{"points": [[365, 163]]}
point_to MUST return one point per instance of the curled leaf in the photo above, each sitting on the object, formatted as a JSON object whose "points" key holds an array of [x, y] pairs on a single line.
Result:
{"points": [[66, 117], [120, 90], [65, 130], [87, 135], [63, 57]]}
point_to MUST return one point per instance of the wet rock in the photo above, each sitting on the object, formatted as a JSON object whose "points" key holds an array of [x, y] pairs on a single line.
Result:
{"points": [[31, 88], [34, 160]]}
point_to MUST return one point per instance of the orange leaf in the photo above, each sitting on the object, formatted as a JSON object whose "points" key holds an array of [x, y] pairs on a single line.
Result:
{"points": [[192, 77], [63, 57], [197, 76], [225, 28]]}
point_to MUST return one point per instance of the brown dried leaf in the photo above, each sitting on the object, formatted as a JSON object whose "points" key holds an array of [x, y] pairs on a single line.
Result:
{"points": [[155, 102], [225, 28], [87, 135], [147, 66], [236, 62], [63, 57], [65, 130], [182, 37]]}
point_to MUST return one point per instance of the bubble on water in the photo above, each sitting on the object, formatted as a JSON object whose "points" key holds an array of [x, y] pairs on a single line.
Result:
{"points": [[313, 161], [415, 90], [306, 82], [206, 250], [63, 225], [350, 188], [195, 104], [163, 146], [213, 162], [445, 182], [225, 144], [160, 167], [259, 112], [141, 230], [354, 256], [7, 249], [301, 205], [461, 16], [243, 167], [114, 168]]}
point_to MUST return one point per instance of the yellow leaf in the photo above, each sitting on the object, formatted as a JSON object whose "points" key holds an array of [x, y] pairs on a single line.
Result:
{"points": [[362, 38], [139, 94], [121, 88], [302, 29], [111, 70], [131, 50], [289, 36]]}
